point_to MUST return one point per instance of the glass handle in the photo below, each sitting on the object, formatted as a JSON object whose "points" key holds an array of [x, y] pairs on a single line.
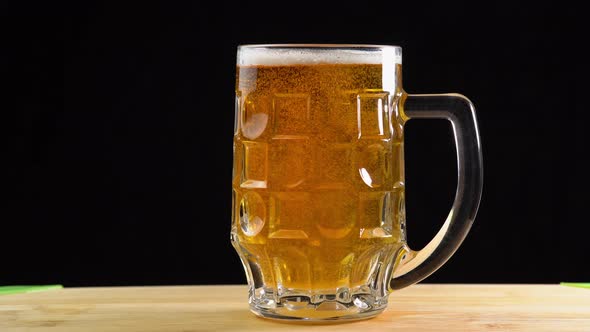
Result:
{"points": [[456, 108]]}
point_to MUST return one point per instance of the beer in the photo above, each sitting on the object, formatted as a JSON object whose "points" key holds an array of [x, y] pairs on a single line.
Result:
{"points": [[318, 187]]}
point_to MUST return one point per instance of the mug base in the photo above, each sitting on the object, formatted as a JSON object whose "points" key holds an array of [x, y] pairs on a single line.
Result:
{"points": [[302, 310]]}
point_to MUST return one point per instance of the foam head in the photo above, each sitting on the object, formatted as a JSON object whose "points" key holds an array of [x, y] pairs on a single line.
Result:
{"points": [[275, 55]]}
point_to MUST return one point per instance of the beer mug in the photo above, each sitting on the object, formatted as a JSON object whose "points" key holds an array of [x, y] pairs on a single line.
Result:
{"points": [[318, 215]]}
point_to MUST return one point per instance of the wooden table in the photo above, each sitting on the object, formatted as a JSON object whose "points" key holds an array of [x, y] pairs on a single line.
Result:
{"points": [[423, 307]]}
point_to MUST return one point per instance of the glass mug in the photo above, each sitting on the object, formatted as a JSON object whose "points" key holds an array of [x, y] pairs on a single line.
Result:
{"points": [[318, 215]]}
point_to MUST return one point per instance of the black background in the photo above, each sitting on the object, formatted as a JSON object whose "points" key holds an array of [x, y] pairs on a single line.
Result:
{"points": [[121, 122]]}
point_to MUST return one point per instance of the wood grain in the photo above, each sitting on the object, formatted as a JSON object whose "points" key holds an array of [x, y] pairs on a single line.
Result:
{"points": [[423, 307]]}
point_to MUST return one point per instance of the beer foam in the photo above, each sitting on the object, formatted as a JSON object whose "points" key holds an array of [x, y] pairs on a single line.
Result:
{"points": [[274, 55]]}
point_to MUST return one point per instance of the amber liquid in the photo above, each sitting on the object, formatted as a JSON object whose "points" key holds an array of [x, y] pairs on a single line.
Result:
{"points": [[318, 185]]}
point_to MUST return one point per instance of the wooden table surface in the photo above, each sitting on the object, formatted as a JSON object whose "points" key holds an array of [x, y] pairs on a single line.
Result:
{"points": [[425, 307]]}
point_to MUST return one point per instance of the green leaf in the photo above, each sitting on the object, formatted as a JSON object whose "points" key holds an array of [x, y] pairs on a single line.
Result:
{"points": [[576, 284], [5, 290]]}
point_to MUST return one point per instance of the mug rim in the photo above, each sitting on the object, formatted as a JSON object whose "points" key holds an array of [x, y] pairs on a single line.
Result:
{"points": [[321, 46], [281, 54]]}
